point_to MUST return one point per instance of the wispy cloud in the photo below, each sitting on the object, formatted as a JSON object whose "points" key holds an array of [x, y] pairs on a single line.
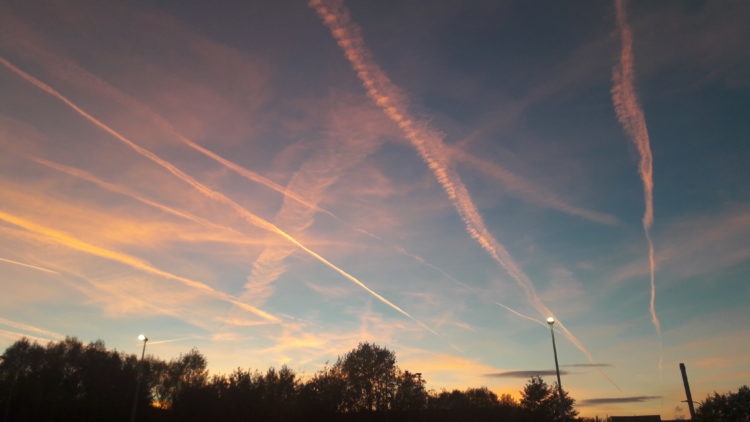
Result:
{"points": [[526, 189], [210, 193], [347, 144], [630, 114]]}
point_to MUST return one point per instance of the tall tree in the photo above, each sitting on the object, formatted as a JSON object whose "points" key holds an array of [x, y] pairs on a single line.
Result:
{"points": [[370, 374]]}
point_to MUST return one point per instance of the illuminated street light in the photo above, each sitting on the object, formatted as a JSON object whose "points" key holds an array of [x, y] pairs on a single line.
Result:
{"points": [[139, 375], [551, 322]]}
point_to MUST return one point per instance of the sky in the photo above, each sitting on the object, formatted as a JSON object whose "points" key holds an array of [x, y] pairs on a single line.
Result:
{"points": [[275, 182]]}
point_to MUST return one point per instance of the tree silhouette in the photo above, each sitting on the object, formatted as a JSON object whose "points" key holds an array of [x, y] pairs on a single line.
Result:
{"points": [[410, 393], [370, 374], [729, 407], [70, 381], [543, 402], [67, 380]]}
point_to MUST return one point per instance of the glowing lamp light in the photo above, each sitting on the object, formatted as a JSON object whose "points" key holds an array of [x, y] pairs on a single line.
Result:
{"points": [[550, 320], [141, 337]]}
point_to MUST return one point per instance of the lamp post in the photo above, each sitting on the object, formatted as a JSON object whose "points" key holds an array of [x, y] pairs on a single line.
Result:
{"points": [[551, 322], [139, 374]]}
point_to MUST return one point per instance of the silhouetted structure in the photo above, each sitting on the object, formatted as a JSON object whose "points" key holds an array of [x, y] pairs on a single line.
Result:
{"points": [[649, 418], [688, 395]]}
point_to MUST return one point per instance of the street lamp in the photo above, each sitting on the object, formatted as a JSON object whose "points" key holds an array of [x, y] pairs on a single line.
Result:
{"points": [[551, 322], [144, 339]]}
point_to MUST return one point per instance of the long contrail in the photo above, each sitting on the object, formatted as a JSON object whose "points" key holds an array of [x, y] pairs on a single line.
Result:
{"points": [[77, 244], [36, 267], [425, 140], [217, 196], [630, 114]]}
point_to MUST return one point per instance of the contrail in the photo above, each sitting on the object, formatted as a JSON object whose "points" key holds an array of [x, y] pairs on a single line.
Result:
{"points": [[46, 270], [84, 175], [425, 140], [513, 182], [27, 327], [630, 115], [217, 196], [14, 335], [173, 340], [76, 72], [53, 60], [508, 308], [133, 262]]}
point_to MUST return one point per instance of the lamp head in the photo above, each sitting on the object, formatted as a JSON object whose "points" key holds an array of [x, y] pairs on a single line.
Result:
{"points": [[141, 337], [550, 320]]}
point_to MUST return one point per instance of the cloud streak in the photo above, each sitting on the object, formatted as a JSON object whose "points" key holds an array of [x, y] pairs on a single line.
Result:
{"points": [[27, 327], [522, 315], [526, 374], [617, 400], [526, 189], [35, 267], [630, 114], [74, 243], [427, 141], [214, 195]]}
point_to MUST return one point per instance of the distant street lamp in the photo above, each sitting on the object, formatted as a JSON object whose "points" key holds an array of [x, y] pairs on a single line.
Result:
{"points": [[139, 375], [551, 322]]}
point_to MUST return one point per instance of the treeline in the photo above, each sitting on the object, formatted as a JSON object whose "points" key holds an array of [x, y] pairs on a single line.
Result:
{"points": [[72, 381]]}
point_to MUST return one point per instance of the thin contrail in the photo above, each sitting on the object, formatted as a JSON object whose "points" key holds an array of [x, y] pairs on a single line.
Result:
{"points": [[46, 270], [27, 327], [508, 308], [425, 140], [217, 196], [131, 261], [513, 182], [84, 175], [17, 336], [173, 340], [630, 114]]}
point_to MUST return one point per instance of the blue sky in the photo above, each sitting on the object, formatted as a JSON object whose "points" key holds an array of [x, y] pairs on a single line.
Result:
{"points": [[274, 182]]}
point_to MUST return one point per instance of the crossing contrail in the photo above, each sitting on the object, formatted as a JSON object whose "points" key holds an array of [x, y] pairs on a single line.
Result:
{"points": [[208, 192], [84, 175], [630, 114], [53, 61], [427, 141]]}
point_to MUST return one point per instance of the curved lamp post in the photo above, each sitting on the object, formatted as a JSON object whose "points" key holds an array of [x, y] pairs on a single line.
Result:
{"points": [[144, 339], [551, 322]]}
